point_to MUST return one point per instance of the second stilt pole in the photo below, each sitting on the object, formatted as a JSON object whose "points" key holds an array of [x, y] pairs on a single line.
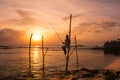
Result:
{"points": [[30, 52], [76, 52], [43, 66], [67, 55]]}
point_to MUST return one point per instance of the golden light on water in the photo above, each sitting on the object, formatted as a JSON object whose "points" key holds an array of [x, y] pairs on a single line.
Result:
{"points": [[36, 56]]}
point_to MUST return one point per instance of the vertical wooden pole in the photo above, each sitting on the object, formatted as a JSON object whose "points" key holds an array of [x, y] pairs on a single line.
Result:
{"points": [[67, 56], [70, 26], [30, 52], [67, 60], [43, 56], [76, 53]]}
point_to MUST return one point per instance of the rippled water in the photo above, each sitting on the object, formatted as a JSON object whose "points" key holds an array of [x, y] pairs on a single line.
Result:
{"points": [[15, 61]]}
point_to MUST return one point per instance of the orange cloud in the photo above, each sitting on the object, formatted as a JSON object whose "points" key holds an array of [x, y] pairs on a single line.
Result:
{"points": [[11, 37]]}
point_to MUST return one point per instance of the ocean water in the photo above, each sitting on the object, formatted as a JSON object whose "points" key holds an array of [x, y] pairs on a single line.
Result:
{"points": [[15, 62]]}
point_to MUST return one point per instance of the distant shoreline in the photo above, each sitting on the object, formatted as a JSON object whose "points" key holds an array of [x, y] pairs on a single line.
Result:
{"points": [[12, 47]]}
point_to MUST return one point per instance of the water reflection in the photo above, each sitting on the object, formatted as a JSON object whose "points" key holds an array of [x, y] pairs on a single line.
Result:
{"points": [[36, 58], [111, 53], [54, 61], [35, 71]]}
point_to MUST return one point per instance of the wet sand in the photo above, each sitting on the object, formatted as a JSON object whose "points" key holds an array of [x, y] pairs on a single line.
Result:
{"points": [[80, 74], [114, 66]]}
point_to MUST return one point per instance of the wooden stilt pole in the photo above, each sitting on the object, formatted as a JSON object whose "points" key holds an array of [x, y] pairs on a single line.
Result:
{"points": [[76, 53], [67, 55], [43, 56], [70, 26], [29, 73]]}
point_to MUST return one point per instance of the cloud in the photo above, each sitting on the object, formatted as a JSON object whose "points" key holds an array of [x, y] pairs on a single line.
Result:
{"points": [[108, 1], [97, 27], [78, 15], [105, 24], [9, 36], [27, 17], [24, 18]]}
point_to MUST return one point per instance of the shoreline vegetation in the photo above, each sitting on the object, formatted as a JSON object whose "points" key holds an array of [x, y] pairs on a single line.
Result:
{"points": [[79, 74]]}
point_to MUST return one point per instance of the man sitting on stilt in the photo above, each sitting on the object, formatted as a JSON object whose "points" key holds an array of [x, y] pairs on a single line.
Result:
{"points": [[66, 44]]}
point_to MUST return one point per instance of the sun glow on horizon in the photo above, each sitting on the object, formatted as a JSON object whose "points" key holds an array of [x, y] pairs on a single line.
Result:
{"points": [[36, 37]]}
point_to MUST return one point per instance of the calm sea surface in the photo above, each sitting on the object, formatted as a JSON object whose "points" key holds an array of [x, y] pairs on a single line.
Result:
{"points": [[15, 61]]}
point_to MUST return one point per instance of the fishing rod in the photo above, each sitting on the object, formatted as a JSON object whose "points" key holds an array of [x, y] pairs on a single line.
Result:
{"points": [[57, 34]]}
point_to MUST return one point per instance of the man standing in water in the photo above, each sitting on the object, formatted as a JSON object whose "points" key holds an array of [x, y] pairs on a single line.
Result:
{"points": [[66, 44]]}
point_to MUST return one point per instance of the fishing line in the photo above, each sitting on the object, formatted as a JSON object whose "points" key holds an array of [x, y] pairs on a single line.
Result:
{"points": [[57, 34]]}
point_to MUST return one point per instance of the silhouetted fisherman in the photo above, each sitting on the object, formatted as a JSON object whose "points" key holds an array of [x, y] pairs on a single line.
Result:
{"points": [[66, 44]]}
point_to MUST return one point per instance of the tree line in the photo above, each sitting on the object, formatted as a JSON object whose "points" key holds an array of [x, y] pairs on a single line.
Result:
{"points": [[112, 46]]}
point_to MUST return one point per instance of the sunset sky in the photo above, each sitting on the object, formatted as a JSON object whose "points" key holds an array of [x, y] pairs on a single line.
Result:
{"points": [[94, 21]]}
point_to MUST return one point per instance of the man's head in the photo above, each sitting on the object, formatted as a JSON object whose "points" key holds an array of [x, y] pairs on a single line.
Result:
{"points": [[67, 36]]}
